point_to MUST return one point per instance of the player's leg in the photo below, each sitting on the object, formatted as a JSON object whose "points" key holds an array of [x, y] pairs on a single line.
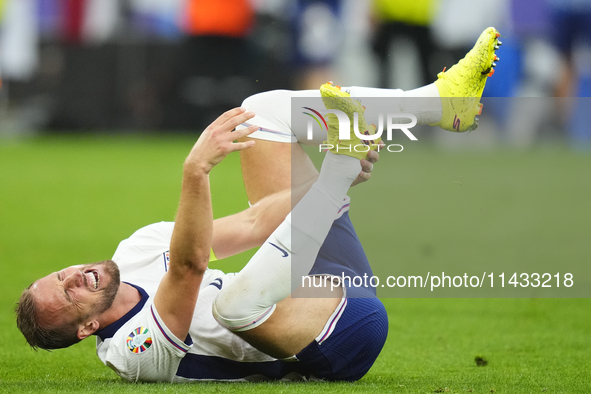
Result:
{"points": [[267, 167], [270, 167], [466, 79], [277, 162], [255, 303], [349, 332], [258, 293], [452, 102]]}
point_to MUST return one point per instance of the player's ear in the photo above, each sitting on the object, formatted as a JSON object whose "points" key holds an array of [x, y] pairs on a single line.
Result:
{"points": [[87, 329]]}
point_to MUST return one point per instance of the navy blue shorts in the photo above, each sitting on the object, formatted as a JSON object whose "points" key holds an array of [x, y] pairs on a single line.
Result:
{"points": [[352, 348], [360, 333], [341, 255]]}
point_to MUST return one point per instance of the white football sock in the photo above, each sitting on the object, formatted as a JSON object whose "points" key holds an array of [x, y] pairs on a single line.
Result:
{"points": [[424, 102]]}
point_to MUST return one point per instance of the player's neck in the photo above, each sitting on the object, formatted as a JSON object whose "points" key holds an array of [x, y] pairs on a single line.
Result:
{"points": [[127, 297]]}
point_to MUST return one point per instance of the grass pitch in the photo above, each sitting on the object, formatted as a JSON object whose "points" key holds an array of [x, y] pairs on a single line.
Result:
{"points": [[69, 200]]}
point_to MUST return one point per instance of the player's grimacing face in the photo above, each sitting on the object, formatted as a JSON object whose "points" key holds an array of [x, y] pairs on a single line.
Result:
{"points": [[78, 292]]}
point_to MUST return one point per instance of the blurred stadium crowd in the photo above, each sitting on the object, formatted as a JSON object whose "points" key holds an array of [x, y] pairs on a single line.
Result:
{"points": [[133, 65]]}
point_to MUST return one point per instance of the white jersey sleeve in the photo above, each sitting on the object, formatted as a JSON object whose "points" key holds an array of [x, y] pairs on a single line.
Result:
{"points": [[144, 349], [145, 242]]}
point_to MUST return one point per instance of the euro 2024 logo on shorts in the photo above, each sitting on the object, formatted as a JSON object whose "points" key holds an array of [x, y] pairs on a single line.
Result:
{"points": [[345, 126], [139, 340]]}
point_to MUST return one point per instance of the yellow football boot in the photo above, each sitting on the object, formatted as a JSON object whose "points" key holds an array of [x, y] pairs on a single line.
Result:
{"points": [[334, 97], [460, 87]]}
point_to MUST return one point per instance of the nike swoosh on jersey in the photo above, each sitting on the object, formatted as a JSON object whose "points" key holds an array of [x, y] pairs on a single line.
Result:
{"points": [[284, 252]]}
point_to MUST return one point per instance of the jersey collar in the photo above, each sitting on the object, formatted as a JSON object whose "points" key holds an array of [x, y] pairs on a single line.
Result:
{"points": [[111, 329]]}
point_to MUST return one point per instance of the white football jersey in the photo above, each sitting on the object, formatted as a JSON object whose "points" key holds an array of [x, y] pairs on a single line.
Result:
{"points": [[139, 346]]}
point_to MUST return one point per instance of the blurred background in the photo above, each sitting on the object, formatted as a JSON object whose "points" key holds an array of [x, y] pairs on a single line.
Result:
{"points": [[133, 66], [102, 99]]}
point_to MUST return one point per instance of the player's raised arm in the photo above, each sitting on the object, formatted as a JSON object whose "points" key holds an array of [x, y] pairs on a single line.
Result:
{"points": [[191, 240]]}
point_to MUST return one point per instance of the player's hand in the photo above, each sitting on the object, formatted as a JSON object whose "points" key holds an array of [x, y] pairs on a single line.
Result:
{"points": [[217, 140], [367, 166]]}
